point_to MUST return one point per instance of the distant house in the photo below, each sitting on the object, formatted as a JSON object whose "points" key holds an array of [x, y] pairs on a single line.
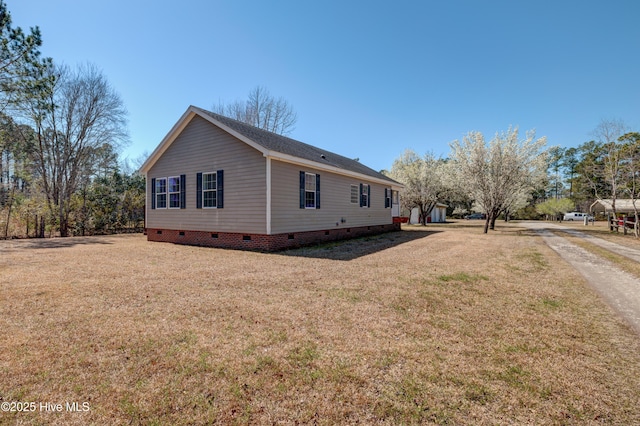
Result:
{"points": [[218, 182]]}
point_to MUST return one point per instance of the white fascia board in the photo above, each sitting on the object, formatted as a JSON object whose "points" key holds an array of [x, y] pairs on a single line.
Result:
{"points": [[337, 170], [146, 206]]}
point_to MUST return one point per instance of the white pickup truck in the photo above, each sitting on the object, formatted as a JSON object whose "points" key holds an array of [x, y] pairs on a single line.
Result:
{"points": [[577, 216]]}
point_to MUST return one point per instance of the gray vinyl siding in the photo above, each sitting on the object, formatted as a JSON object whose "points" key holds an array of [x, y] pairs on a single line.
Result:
{"points": [[202, 147], [335, 202]]}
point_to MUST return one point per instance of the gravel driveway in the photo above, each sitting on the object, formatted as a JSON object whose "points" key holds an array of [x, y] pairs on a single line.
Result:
{"points": [[620, 289]]}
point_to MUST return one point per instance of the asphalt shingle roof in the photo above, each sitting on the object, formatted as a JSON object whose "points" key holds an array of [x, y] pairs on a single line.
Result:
{"points": [[284, 145]]}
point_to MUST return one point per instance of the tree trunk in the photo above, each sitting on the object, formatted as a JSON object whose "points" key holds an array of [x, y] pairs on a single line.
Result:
{"points": [[64, 227], [491, 220], [11, 197], [492, 225], [426, 212], [64, 222]]}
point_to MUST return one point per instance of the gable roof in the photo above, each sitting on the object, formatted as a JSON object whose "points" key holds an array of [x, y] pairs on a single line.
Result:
{"points": [[623, 205], [271, 145]]}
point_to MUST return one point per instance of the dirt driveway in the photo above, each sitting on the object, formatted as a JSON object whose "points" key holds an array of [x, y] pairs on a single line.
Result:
{"points": [[619, 288]]}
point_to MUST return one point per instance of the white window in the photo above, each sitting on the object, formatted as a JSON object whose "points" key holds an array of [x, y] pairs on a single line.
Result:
{"points": [[161, 193], [355, 190], [310, 191], [209, 190], [174, 192], [364, 197]]}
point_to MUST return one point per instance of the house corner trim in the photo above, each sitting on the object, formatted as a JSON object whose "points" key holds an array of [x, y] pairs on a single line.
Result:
{"points": [[268, 215]]}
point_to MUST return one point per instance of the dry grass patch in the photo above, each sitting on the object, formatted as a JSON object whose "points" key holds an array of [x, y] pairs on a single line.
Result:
{"points": [[450, 327]]}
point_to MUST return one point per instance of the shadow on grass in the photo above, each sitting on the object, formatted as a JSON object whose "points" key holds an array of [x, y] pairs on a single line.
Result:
{"points": [[513, 228], [354, 248], [49, 243]]}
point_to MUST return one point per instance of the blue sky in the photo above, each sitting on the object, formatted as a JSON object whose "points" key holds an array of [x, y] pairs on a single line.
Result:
{"points": [[366, 78]]}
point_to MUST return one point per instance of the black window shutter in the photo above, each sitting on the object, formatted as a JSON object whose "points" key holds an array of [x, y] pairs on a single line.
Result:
{"points": [[153, 193], [368, 195], [317, 191], [386, 198], [183, 191], [361, 196], [199, 190], [302, 190], [220, 189]]}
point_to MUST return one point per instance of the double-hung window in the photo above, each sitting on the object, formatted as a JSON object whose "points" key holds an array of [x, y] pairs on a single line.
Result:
{"points": [[161, 193], [168, 192], [365, 200], [309, 190], [209, 190], [387, 198], [174, 192]]}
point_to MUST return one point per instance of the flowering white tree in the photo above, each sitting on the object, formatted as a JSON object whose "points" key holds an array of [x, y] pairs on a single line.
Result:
{"points": [[500, 174], [424, 180]]}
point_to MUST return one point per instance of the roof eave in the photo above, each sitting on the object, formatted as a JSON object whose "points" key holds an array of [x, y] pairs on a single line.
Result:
{"points": [[333, 169]]}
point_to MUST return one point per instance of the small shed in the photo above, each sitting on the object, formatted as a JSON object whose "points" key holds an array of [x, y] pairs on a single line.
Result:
{"points": [[623, 206], [438, 214]]}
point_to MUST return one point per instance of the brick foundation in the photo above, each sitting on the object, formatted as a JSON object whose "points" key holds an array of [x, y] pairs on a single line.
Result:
{"points": [[262, 242]]}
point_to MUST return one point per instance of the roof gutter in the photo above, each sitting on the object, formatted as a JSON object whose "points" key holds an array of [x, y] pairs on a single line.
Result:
{"points": [[286, 158]]}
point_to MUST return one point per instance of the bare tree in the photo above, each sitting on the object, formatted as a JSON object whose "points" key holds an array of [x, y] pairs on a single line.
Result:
{"points": [[261, 110], [501, 173], [630, 173], [610, 151], [78, 114]]}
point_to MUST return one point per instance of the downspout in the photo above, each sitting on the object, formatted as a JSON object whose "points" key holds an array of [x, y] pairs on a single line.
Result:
{"points": [[147, 186]]}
